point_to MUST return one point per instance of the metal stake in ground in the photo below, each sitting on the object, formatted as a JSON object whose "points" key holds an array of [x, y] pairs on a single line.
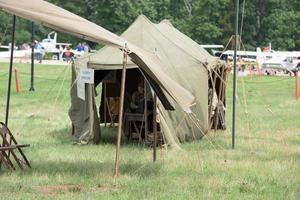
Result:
{"points": [[234, 70], [32, 58], [10, 69], [116, 174]]}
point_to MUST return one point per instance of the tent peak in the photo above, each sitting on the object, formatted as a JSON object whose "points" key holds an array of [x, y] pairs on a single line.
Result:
{"points": [[142, 18], [166, 21]]}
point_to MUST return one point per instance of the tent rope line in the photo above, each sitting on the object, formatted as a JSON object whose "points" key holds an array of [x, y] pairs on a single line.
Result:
{"points": [[72, 85], [46, 97], [269, 82], [244, 97], [267, 107], [220, 96], [242, 20], [40, 77], [245, 104], [221, 78], [194, 119], [60, 89], [225, 48], [181, 121]]}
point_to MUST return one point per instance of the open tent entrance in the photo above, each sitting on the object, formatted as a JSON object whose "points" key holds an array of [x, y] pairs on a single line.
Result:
{"points": [[138, 114], [216, 98]]}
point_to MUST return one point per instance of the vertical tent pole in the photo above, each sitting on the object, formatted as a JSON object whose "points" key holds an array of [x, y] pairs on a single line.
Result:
{"points": [[105, 104], [234, 72], [120, 117], [154, 126], [32, 58], [10, 69], [145, 108]]}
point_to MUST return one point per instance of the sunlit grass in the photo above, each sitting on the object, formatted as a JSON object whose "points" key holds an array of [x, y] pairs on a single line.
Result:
{"points": [[264, 165]]}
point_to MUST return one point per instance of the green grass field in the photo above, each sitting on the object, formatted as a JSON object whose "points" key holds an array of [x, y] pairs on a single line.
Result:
{"points": [[264, 165]]}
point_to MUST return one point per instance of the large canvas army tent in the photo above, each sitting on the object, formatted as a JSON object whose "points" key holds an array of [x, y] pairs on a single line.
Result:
{"points": [[52, 16], [59, 19], [183, 60]]}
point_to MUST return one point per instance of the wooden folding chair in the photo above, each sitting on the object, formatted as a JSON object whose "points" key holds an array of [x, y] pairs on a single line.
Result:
{"points": [[11, 149], [112, 104], [137, 121]]}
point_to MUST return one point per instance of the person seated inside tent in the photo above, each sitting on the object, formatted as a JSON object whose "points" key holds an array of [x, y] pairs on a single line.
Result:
{"points": [[137, 100], [67, 55]]}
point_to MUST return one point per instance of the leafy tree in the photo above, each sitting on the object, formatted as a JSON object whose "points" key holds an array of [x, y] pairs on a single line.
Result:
{"points": [[211, 22]]}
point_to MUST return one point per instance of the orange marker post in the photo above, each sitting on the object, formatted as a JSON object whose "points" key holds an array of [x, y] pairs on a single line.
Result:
{"points": [[18, 89]]}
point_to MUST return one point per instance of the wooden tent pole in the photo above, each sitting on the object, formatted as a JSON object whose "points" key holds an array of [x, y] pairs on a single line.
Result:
{"points": [[154, 127], [117, 160], [32, 58], [105, 104], [145, 109], [10, 70]]}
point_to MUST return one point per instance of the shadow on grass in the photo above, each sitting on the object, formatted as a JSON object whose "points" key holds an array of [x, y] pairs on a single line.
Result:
{"points": [[108, 136], [90, 169], [85, 167]]}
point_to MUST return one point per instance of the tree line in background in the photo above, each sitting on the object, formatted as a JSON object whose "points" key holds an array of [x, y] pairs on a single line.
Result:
{"points": [[210, 21]]}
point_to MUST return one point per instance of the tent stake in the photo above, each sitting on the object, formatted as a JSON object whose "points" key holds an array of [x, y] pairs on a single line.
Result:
{"points": [[32, 58], [117, 160], [234, 72], [10, 69]]}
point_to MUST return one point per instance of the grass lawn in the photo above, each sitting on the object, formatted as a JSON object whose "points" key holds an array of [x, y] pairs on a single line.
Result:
{"points": [[264, 165]]}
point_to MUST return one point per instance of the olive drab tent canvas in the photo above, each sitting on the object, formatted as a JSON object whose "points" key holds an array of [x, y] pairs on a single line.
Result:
{"points": [[183, 60], [62, 20]]}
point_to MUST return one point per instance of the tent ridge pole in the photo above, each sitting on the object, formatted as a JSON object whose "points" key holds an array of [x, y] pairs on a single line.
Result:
{"points": [[10, 70], [120, 121]]}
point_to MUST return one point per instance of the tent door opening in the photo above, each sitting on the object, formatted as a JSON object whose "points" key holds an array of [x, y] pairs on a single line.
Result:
{"points": [[138, 116]]}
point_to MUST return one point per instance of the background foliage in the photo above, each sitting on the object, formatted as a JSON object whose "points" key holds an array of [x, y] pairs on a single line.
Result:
{"points": [[211, 22]]}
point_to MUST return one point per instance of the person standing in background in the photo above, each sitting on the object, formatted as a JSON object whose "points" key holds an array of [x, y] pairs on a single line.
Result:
{"points": [[40, 51], [86, 47]]}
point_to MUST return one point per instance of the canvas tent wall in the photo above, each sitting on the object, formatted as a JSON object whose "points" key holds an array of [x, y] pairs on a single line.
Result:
{"points": [[217, 74], [62, 20], [183, 60]]}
